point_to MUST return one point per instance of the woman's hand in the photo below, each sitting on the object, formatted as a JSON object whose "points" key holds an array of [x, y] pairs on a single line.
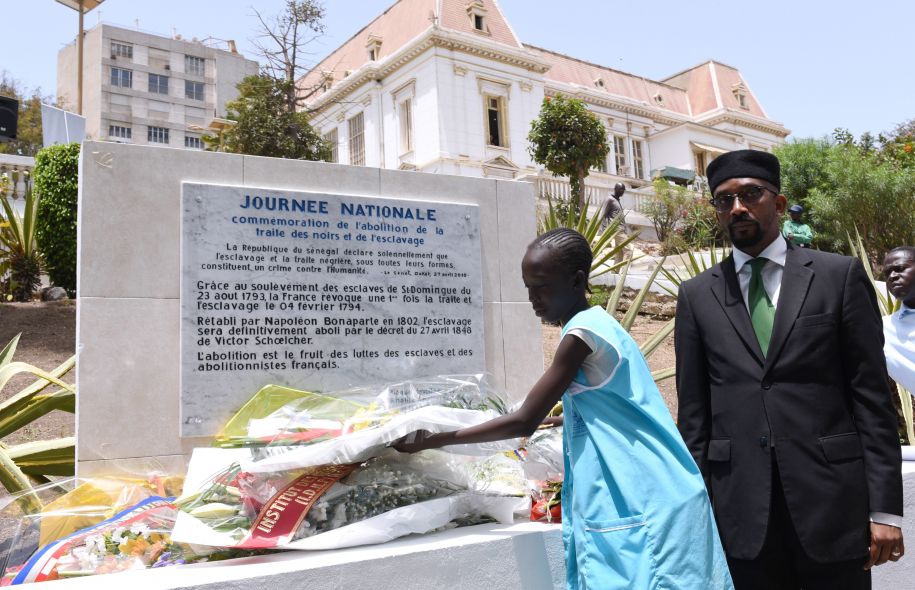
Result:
{"points": [[418, 440]]}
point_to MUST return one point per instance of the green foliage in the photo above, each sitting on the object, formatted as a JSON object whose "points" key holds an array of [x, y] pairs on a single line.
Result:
{"points": [[803, 163], [34, 460], [28, 131], [20, 260], [867, 192], [699, 226], [55, 180], [266, 127], [568, 140], [667, 208]]}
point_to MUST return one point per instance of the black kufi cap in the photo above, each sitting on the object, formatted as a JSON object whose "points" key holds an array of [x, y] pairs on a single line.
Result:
{"points": [[744, 164]]}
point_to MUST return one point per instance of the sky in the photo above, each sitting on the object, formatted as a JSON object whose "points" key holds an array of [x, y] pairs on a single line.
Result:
{"points": [[813, 64]]}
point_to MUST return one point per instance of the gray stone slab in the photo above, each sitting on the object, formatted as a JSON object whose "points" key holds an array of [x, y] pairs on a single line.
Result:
{"points": [[323, 292]]}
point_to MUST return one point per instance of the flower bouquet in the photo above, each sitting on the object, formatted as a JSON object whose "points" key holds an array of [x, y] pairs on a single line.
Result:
{"points": [[135, 538], [341, 505]]}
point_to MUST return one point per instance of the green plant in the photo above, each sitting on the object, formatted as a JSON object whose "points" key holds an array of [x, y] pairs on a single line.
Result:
{"points": [[55, 181], [20, 261], [699, 223], [33, 461], [568, 140], [265, 125], [667, 208]]}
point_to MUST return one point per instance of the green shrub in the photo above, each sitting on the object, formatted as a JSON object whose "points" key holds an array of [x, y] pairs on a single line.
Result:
{"points": [[55, 180]]}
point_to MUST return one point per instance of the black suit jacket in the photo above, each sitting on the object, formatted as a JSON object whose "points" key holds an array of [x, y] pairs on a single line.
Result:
{"points": [[819, 402]]}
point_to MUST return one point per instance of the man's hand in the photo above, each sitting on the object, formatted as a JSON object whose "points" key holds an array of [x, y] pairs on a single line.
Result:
{"points": [[886, 544], [418, 440]]}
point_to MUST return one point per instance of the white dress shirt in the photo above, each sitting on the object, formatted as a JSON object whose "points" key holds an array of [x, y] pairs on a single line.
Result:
{"points": [[899, 347], [772, 272]]}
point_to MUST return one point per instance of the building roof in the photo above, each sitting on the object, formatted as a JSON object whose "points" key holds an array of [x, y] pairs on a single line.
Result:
{"points": [[569, 70], [402, 22], [712, 85], [707, 87]]}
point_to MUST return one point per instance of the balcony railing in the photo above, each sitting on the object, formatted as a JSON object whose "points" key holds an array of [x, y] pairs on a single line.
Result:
{"points": [[19, 171]]}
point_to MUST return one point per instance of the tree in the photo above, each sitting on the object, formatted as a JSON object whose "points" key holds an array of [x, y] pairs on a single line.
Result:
{"points": [[266, 127], [282, 42], [28, 136], [866, 192], [568, 141], [803, 163]]}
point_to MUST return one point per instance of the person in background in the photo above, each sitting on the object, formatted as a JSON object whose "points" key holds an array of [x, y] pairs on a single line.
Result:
{"points": [[796, 231], [784, 399], [899, 327], [612, 207], [635, 512]]}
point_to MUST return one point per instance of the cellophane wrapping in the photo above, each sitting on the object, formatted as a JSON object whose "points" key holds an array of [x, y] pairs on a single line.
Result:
{"points": [[101, 525], [342, 505]]}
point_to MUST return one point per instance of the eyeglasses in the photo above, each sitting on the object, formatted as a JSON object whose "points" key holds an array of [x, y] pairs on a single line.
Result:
{"points": [[723, 202]]}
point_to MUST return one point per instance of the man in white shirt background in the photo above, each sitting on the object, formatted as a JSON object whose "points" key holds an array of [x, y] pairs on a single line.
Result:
{"points": [[899, 327]]}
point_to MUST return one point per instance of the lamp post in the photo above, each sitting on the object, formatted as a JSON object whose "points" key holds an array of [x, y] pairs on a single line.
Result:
{"points": [[82, 7]]}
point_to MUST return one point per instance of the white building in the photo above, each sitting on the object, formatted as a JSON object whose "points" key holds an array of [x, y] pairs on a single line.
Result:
{"points": [[446, 86], [143, 88]]}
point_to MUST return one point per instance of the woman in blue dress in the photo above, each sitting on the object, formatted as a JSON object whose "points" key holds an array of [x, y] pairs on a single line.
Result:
{"points": [[635, 511]]}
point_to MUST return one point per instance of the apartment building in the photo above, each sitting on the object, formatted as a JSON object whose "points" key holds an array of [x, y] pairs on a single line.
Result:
{"points": [[147, 89]]}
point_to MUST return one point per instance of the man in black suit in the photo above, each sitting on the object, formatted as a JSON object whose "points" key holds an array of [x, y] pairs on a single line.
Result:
{"points": [[783, 398]]}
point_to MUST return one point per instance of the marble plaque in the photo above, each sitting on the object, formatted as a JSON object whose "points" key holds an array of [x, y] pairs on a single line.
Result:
{"points": [[321, 292]]}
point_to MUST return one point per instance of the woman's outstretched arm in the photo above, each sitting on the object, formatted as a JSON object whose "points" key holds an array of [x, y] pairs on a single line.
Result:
{"points": [[570, 355]]}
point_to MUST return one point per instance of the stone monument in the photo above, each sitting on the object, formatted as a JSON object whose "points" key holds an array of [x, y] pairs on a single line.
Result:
{"points": [[204, 276]]}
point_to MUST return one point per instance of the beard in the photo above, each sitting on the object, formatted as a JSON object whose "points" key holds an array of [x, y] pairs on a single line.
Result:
{"points": [[747, 236]]}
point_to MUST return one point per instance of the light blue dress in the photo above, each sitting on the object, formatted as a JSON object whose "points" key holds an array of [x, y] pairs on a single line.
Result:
{"points": [[635, 511]]}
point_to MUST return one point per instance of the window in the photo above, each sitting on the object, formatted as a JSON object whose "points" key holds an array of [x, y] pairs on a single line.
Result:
{"points": [[495, 121], [193, 90], [331, 138], [121, 50], [637, 161], [406, 126], [122, 78], [119, 103], [195, 66], [119, 132], [157, 109], [476, 10], [158, 84], [357, 140], [619, 154], [157, 135], [191, 142]]}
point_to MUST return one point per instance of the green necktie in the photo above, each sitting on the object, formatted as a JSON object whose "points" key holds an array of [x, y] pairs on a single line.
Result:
{"points": [[762, 312]]}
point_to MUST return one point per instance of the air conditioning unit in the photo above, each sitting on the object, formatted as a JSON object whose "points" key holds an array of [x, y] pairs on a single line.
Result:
{"points": [[623, 171], [168, 67], [114, 56]]}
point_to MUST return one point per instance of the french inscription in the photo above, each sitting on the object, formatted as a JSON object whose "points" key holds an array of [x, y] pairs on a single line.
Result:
{"points": [[321, 292]]}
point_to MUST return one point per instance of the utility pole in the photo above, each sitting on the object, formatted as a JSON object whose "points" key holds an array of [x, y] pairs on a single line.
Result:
{"points": [[82, 7]]}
